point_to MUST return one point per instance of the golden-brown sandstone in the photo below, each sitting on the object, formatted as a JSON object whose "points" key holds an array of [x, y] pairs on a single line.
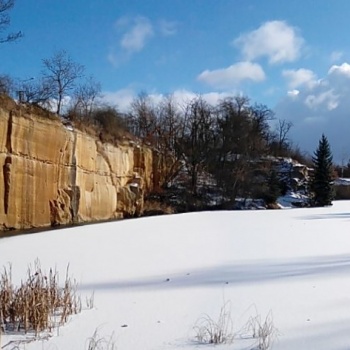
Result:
{"points": [[52, 175]]}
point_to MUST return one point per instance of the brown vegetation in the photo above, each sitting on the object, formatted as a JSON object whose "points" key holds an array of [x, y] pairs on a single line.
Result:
{"points": [[342, 192], [25, 109], [104, 123], [156, 207], [39, 303]]}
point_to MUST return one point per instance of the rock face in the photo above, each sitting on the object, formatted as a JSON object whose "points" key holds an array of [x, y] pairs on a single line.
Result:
{"points": [[295, 176], [52, 175]]}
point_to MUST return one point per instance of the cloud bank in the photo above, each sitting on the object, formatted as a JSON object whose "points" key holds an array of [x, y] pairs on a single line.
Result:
{"points": [[122, 98], [233, 75], [277, 41], [319, 106]]}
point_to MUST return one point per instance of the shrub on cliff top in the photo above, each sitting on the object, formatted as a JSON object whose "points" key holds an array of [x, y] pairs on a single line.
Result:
{"points": [[105, 122]]}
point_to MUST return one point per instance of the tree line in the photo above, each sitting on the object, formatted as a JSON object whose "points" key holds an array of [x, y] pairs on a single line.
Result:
{"points": [[228, 150], [224, 147]]}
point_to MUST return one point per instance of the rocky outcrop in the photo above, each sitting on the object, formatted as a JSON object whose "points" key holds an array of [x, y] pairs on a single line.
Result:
{"points": [[293, 175], [54, 175]]}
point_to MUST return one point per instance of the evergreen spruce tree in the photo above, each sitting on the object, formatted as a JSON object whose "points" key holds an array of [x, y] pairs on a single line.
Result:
{"points": [[322, 180]]}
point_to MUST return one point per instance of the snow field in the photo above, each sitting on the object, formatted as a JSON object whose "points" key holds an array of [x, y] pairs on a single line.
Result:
{"points": [[154, 278]]}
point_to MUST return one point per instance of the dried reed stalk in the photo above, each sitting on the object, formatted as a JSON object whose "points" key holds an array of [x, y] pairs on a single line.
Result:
{"points": [[38, 302]]}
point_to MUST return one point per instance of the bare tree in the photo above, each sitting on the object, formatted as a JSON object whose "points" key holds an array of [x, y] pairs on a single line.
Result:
{"points": [[36, 91], [6, 84], [61, 73], [283, 129], [242, 139], [85, 97], [169, 124], [143, 118], [5, 6], [234, 137], [260, 116], [196, 142], [279, 143]]}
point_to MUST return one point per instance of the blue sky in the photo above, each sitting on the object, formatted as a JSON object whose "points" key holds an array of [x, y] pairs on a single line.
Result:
{"points": [[293, 56]]}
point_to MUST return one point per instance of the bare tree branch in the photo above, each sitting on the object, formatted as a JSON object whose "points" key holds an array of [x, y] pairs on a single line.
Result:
{"points": [[5, 6], [86, 97], [61, 73]]}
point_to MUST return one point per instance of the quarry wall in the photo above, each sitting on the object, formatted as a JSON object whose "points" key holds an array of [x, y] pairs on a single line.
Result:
{"points": [[51, 174]]}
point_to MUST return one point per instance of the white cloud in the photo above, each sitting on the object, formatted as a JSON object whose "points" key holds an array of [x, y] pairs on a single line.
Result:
{"points": [[300, 77], [320, 108], [233, 75], [167, 28], [326, 99], [343, 69], [336, 56], [293, 93], [114, 58], [121, 99], [275, 40], [136, 37], [182, 96], [135, 34], [214, 97]]}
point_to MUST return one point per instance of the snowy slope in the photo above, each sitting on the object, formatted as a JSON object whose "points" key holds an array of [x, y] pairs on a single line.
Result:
{"points": [[159, 275]]}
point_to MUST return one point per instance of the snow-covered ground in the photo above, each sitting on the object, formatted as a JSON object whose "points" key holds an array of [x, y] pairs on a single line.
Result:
{"points": [[293, 200], [155, 277], [342, 181]]}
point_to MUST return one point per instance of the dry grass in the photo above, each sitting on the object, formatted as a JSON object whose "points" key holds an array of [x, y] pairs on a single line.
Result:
{"points": [[209, 331], [263, 330], [39, 303], [90, 302], [98, 342], [7, 102]]}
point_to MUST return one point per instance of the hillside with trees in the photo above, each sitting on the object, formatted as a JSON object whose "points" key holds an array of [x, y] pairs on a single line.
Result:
{"points": [[220, 153]]}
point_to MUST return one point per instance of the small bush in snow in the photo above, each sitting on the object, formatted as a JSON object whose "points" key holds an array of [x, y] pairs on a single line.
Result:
{"points": [[209, 331], [90, 302], [97, 342], [263, 331]]}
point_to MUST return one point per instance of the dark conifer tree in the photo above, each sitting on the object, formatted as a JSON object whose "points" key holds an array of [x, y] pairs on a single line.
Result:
{"points": [[322, 179]]}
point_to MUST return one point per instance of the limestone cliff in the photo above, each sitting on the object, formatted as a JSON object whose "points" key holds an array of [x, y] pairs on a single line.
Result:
{"points": [[52, 175]]}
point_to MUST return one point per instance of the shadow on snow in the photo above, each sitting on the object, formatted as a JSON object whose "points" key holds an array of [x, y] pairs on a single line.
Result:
{"points": [[235, 274], [326, 216]]}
